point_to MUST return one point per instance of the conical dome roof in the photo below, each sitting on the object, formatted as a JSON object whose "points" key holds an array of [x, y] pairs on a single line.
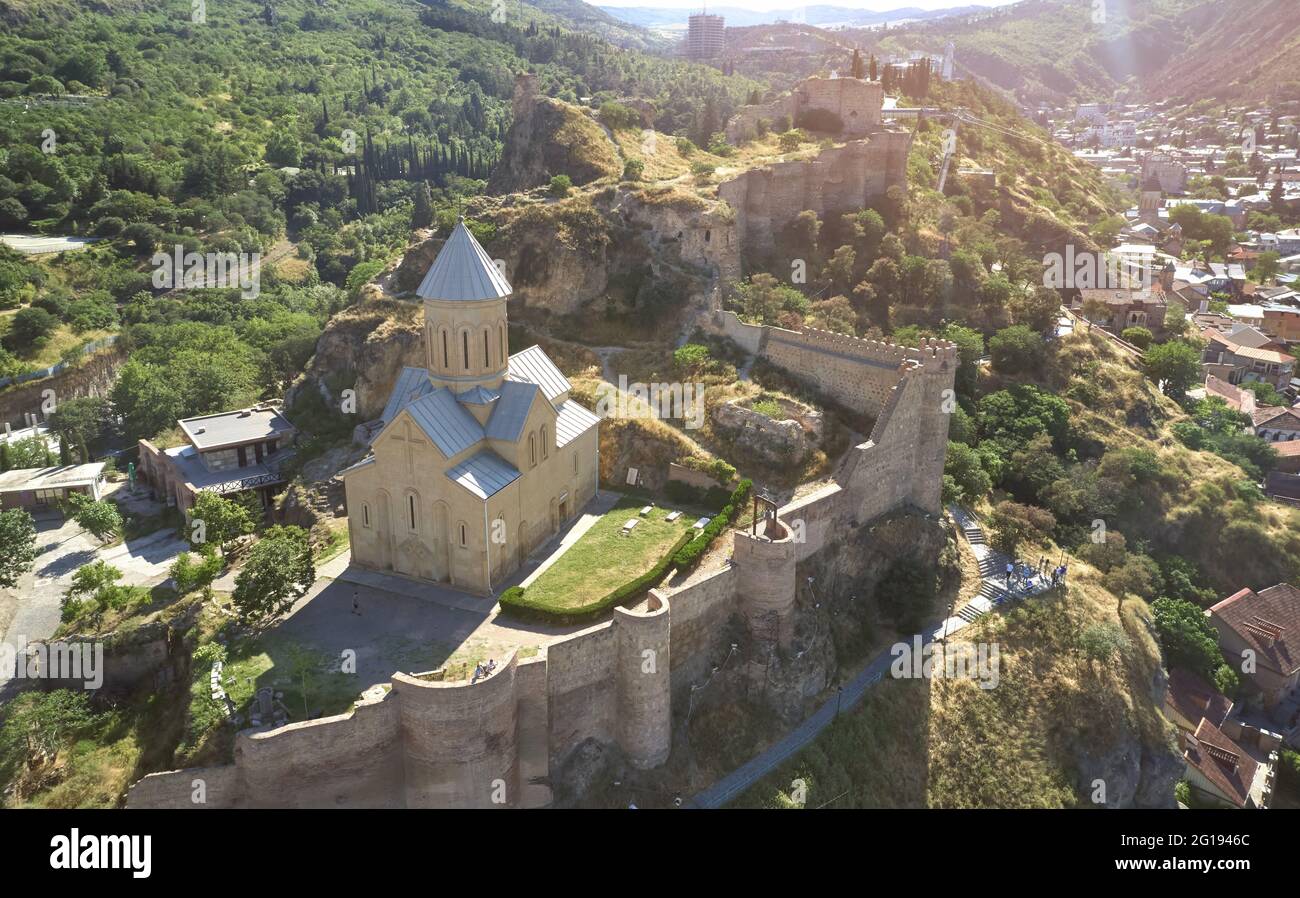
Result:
{"points": [[463, 271]]}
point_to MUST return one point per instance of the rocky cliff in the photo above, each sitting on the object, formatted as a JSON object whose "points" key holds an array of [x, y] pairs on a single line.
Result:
{"points": [[548, 138]]}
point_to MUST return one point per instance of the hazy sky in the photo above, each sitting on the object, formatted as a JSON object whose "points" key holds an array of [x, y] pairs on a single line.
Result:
{"points": [[877, 5]]}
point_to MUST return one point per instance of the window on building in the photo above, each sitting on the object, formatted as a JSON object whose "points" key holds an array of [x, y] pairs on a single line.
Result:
{"points": [[446, 357], [365, 515], [464, 541], [546, 452], [532, 450], [501, 339], [464, 348], [575, 463], [487, 363], [410, 504]]}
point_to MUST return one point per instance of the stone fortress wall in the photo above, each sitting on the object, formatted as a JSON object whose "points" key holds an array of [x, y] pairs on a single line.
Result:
{"points": [[425, 743], [837, 180], [857, 102]]}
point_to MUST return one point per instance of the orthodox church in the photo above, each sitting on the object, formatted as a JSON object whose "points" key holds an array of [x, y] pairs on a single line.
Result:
{"points": [[481, 455]]}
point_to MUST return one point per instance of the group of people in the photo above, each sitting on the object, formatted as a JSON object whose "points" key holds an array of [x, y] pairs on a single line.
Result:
{"points": [[1021, 574], [482, 670]]}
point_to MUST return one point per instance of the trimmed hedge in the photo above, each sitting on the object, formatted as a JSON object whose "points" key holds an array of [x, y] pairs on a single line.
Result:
{"points": [[516, 601], [686, 557]]}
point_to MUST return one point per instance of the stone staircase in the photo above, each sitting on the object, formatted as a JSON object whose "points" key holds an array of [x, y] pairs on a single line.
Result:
{"points": [[992, 568]]}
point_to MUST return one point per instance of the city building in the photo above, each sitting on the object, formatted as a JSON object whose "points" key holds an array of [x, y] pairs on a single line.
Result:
{"points": [[705, 36]]}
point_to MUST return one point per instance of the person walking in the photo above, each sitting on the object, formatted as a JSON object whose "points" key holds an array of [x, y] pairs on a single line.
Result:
{"points": [[1011, 566]]}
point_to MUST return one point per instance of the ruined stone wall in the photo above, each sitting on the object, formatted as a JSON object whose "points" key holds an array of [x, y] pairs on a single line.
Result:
{"points": [[855, 101], [838, 180]]}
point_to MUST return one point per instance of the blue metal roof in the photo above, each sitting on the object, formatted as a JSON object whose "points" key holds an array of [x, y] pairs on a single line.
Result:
{"points": [[534, 367], [478, 395], [445, 421], [484, 474], [511, 411], [463, 271], [573, 420], [411, 384]]}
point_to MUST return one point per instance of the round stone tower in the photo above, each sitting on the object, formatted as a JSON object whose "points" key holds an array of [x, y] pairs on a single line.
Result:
{"points": [[465, 336], [645, 727]]}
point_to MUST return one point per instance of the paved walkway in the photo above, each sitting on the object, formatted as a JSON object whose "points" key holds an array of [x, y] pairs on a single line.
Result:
{"points": [[32, 610], [742, 778]]}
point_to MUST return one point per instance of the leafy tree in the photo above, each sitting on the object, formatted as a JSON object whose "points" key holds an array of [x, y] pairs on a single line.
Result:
{"points": [[1012, 524], [222, 521], [279, 571], [1016, 350], [30, 329], [99, 518], [41, 724], [17, 546], [29, 452], [1175, 365], [422, 216], [1188, 638], [189, 574], [1020, 413], [1138, 336], [969, 481], [561, 185]]}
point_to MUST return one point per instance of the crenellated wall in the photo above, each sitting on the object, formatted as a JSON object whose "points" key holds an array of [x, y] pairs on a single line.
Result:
{"points": [[837, 180], [857, 103]]}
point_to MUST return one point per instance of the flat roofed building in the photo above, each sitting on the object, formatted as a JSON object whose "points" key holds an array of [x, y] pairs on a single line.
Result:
{"points": [[47, 487], [225, 453]]}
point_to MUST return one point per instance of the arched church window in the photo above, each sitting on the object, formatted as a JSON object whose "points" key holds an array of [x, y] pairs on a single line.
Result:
{"points": [[464, 348], [410, 505], [532, 450], [501, 339], [365, 515], [546, 452], [446, 357], [464, 540], [487, 363]]}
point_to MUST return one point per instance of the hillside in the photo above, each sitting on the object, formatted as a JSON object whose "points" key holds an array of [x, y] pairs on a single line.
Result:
{"points": [[1053, 51]]}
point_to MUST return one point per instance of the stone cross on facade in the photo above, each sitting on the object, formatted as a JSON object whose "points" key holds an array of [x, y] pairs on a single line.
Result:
{"points": [[411, 442]]}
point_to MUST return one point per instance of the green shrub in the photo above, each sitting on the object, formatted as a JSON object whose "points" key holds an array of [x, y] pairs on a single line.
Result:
{"points": [[693, 551]]}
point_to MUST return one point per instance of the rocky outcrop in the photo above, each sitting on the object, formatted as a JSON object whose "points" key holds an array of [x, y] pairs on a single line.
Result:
{"points": [[548, 138], [777, 441], [364, 348], [93, 376]]}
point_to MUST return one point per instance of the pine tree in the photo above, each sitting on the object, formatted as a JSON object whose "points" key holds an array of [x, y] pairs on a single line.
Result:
{"points": [[422, 217], [855, 68], [65, 456]]}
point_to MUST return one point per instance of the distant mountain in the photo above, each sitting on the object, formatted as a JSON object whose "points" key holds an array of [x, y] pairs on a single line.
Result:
{"points": [[650, 17]]}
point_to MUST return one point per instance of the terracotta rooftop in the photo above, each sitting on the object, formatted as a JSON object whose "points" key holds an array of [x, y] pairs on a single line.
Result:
{"points": [[1221, 761], [1268, 621], [1194, 699]]}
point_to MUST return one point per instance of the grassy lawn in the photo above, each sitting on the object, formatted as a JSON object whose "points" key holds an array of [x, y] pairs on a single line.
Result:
{"points": [[603, 559]]}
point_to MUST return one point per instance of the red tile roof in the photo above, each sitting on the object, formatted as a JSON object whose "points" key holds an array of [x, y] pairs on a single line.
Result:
{"points": [[1221, 761], [1268, 621], [1194, 699]]}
